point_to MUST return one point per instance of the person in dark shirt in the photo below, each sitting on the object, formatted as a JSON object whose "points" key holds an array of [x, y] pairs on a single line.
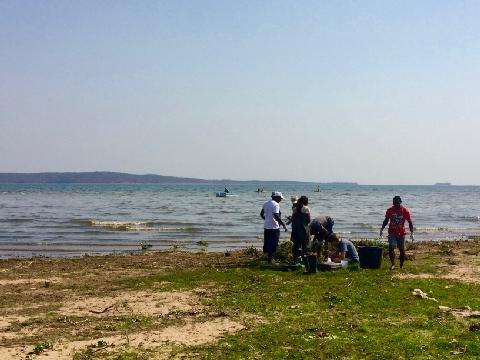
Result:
{"points": [[320, 228], [300, 230]]}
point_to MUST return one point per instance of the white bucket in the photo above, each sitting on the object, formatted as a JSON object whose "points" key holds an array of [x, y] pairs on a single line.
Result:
{"points": [[344, 263]]}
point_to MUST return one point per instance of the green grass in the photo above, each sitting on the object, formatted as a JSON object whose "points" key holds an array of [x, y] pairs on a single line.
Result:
{"points": [[367, 314]]}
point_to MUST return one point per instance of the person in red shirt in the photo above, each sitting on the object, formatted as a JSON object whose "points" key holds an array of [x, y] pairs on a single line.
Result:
{"points": [[397, 215]]}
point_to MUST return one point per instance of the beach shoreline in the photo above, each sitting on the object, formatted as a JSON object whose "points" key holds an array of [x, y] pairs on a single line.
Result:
{"points": [[76, 302]]}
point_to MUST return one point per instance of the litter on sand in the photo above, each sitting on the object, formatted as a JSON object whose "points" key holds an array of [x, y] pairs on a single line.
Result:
{"points": [[421, 294], [465, 311]]}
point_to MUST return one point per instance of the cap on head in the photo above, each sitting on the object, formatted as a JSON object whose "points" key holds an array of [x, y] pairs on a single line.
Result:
{"points": [[294, 199], [277, 194], [397, 199]]}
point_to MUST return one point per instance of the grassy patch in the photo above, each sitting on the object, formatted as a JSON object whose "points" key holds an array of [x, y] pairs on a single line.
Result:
{"points": [[343, 314], [361, 312]]}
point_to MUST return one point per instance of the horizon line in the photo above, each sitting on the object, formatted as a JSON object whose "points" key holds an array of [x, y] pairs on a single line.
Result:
{"points": [[217, 180]]}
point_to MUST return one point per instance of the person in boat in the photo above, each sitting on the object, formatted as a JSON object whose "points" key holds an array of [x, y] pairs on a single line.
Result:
{"points": [[300, 228], [396, 216], [272, 217], [226, 191], [317, 189], [320, 227], [343, 249]]}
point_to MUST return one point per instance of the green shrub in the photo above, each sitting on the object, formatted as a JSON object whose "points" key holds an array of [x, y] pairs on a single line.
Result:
{"points": [[284, 251], [370, 242], [446, 248], [41, 347], [251, 251]]}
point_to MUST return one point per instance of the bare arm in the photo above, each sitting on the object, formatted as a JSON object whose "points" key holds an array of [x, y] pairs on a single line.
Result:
{"points": [[262, 214], [385, 222], [279, 220], [410, 226]]}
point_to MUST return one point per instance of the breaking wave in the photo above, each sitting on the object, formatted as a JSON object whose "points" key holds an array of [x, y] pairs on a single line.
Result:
{"points": [[137, 226], [428, 230], [470, 218]]}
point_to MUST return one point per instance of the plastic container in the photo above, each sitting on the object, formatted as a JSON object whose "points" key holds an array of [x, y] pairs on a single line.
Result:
{"points": [[311, 264], [370, 257], [344, 263]]}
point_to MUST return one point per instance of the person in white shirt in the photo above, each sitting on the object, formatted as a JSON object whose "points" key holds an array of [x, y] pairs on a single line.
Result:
{"points": [[272, 220]]}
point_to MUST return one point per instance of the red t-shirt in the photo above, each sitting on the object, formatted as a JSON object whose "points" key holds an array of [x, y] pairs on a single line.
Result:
{"points": [[397, 218]]}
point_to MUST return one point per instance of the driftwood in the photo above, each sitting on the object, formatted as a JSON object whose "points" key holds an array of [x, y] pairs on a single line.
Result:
{"points": [[102, 311]]}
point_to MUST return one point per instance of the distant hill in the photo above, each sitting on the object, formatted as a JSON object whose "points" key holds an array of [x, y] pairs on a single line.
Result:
{"points": [[97, 177], [108, 177]]}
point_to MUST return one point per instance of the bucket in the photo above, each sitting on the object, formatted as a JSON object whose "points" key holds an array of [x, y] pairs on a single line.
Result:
{"points": [[344, 263], [370, 257], [311, 264]]}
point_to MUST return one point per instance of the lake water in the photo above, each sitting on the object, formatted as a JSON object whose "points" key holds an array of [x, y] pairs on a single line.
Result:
{"points": [[71, 220]]}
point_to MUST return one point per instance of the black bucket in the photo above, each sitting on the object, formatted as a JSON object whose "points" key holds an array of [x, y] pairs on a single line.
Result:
{"points": [[311, 265], [370, 257]]}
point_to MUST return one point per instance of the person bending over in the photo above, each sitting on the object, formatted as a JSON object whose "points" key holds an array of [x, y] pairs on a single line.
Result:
{"points": [[320, 228]]}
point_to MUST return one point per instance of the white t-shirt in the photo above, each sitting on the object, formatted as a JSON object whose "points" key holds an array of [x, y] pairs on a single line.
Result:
{"points": [[269, 208]]}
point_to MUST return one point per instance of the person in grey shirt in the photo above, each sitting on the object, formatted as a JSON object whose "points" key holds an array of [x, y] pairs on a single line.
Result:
{"points": [[344, 249]]}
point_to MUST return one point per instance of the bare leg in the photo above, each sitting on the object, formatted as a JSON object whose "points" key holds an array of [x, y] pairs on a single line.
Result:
{"points": [[321, 252], [269, 258], [391, 254]]}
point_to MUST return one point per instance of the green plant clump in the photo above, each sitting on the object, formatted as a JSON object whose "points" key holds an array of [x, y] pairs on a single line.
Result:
{"points": [[41, 347], [251, 251], [145, 246]]}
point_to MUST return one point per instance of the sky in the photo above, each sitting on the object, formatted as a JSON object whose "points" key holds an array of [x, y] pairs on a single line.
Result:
{"points": [[374, 92]]}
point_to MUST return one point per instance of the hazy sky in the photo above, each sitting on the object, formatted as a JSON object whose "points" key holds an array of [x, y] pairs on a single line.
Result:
{"points": [[378, 92]]}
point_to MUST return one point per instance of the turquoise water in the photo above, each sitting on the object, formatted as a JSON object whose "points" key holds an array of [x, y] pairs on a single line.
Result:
{"points": [[71, 220]]}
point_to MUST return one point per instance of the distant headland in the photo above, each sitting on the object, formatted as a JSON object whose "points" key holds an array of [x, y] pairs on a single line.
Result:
{"points": [[108, 177], [96, 177]]}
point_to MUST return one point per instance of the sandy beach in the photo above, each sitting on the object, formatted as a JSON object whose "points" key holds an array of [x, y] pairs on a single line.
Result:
{"points": [[107, 303], [90, 288]]}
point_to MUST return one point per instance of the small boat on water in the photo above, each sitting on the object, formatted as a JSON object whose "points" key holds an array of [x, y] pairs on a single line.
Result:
{"points": [[224, 194]]}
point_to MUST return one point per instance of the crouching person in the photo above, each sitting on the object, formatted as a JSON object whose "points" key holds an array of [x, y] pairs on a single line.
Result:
{"points": [[342, 249], [320, 227]]}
